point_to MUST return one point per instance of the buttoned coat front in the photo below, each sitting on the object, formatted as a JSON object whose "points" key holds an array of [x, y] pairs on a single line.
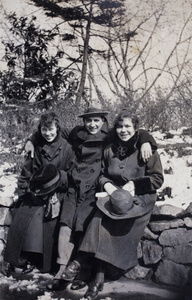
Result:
{"points": [[60, 154], [79, 205], [80, 202], [115, 241]]}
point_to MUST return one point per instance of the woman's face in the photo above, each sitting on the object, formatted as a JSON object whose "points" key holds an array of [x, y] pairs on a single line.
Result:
{"points": [[125, 129], [93, 124], [49, 133]]}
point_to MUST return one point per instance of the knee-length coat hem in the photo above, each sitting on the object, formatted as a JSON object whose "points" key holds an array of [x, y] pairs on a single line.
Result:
{"points": [[115, 241], [60, 154]]}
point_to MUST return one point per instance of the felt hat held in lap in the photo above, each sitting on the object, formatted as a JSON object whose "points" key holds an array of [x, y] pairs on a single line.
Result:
{"points": [[45, 180], [121, 205]]}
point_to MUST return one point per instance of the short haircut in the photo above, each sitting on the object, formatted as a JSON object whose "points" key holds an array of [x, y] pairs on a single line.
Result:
{"points": [[127, 114], [47, 119]]}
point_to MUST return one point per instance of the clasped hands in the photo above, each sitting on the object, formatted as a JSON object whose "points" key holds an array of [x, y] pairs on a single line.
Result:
{"points": [[129, 186]]}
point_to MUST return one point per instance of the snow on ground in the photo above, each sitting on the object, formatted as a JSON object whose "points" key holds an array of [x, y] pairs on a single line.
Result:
{"points": [[178, 176], [177, 168]]}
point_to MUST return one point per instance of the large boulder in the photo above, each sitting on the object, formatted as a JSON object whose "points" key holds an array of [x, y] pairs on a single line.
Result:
{"points": [[152, 252], [167, 210], [174, 237], [171, 273], [181, 254], [159, 226]]}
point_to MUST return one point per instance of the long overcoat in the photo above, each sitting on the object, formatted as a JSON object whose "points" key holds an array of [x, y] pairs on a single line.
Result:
{"points": [[31, 210], [80, 202], [79, 205], [115, 241]]}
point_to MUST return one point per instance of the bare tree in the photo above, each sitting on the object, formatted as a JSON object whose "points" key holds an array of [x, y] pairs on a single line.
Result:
{"points": [[114, 46]]}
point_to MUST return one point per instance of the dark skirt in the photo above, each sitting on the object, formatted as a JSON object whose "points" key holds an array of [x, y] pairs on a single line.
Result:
{"points": [[33, 241], [114, 241], [22, 236]]}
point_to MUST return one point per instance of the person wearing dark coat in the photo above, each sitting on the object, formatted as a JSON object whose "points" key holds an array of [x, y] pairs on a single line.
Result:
{"points": [[79, 205], [130, 186], [34, 230]]}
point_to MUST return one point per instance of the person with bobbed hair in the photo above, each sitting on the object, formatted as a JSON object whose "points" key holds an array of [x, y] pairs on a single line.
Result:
{"points": [[33, 234], [128, 185], [88, 141]]}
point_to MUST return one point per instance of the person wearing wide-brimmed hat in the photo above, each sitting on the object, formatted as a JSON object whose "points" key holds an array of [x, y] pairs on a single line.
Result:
{"points": [[130, 185], [33, 234], [79, 206]]}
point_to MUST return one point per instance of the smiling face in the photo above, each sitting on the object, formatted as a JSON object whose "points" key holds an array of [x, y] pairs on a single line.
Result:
{"points": [[49, 132], [93, 124], [125, 129]]}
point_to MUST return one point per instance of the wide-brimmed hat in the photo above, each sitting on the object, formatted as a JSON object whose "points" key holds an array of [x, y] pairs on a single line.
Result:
{"points": [[45, 180], [121, 205], [93, 111]]}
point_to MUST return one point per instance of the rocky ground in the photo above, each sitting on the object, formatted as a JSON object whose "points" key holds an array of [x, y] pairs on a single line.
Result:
{"points": [[175, 151], [33, 287]]}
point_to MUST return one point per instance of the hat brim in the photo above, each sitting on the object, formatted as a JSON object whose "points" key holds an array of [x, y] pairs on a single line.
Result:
{"points": [[138, 209], [93, 114], [49, 189]]}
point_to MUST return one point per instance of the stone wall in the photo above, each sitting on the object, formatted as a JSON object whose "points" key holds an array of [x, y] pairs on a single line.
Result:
{"points": [[165, 250]]}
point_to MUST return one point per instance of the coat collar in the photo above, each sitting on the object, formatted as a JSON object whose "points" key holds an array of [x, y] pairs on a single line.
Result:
{"points": [[122, 150], [84, 135], [51, 148]]}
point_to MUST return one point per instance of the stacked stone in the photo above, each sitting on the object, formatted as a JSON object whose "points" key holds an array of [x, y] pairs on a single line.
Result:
{"points": [[6, 209], [165, 251]]}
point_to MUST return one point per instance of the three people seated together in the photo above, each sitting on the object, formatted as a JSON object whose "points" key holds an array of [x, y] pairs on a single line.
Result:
{"points": [[85, 195]]}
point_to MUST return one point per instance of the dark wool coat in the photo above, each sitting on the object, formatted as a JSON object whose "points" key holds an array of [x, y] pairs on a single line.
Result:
{"points": [[79, 205], [60, 154], [115, 241]]}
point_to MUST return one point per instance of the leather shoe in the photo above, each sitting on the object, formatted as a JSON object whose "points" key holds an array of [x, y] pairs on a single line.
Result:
{"points": [[78, 284], [28, 268], [93, 290], [71, 271], [54, 285]]}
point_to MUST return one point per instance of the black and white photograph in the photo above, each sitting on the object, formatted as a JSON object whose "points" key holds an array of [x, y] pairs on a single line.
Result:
{"points": [[95, 149]]}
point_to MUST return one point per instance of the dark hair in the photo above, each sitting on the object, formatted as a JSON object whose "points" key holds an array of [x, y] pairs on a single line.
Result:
{"points": [[47, 119], [127, 114]]}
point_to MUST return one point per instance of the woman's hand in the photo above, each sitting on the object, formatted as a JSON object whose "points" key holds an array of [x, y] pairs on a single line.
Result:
{"points": [[146, 151], [29, 147], [130, 187], [110, 188]]}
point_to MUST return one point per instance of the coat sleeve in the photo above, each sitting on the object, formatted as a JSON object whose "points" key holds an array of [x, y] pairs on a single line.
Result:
{"points": [[69, 158], [29, 167], [153, 178], [143, 137], [65, 132], [23, 180], [103, 178], [34, 138]]}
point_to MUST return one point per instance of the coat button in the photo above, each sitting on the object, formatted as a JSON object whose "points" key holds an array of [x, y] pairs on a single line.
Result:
{"points": [[78, 171], [121, 167], [87, 186], [92, 170]]}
